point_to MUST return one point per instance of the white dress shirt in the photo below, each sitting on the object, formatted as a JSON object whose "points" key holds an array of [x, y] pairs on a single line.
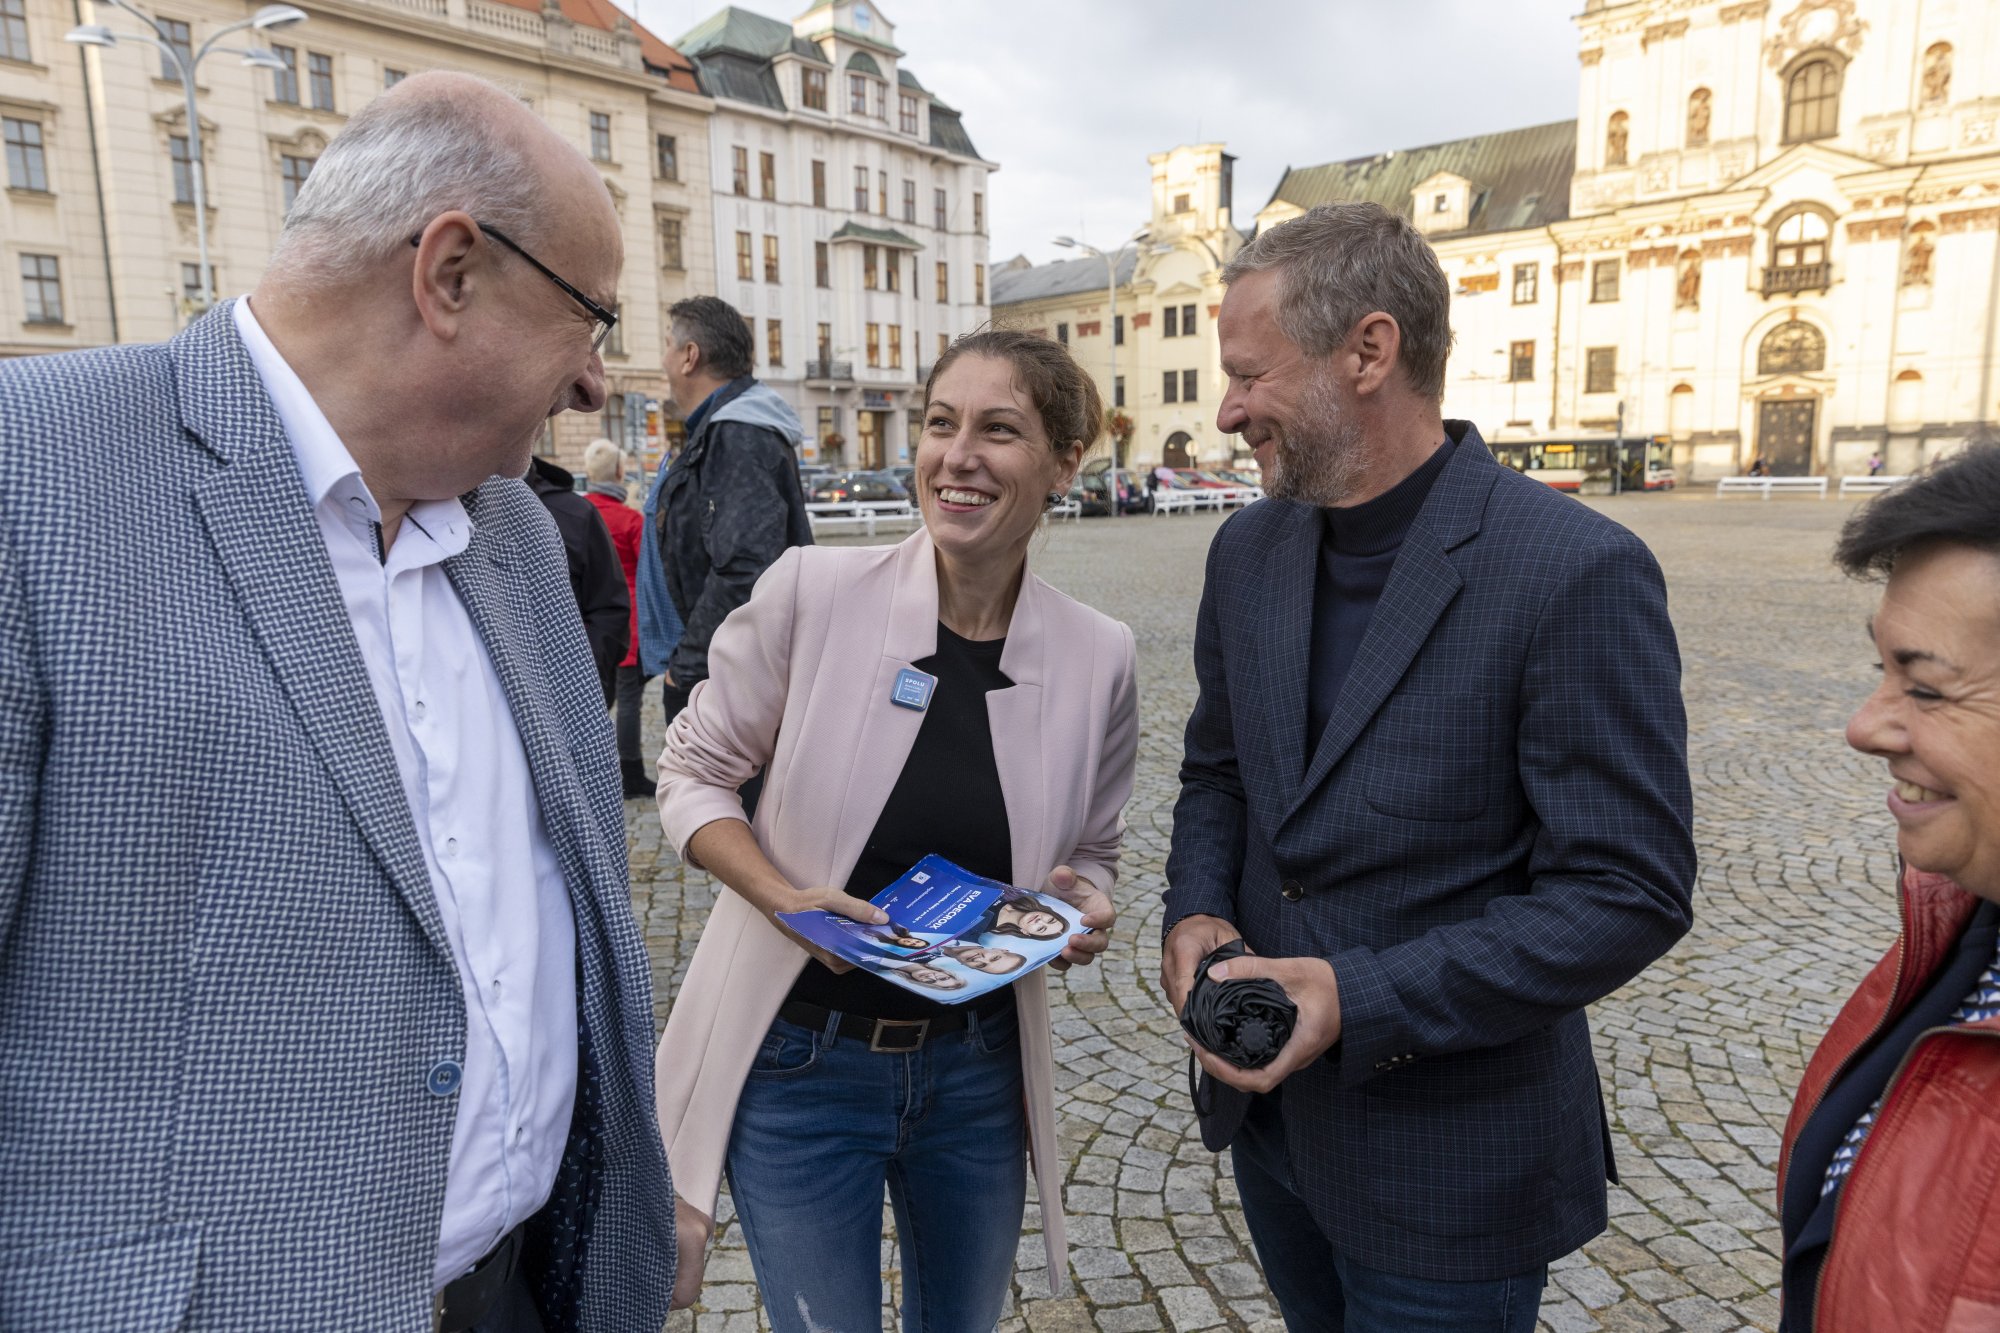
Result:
{"points": [[465, 774]]}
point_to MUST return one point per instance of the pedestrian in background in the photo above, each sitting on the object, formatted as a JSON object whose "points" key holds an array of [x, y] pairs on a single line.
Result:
{"points": [[604, 465], [1436, 780], [1875, 463], [731, 504], [596, 583], [321, 1001], [660, 626], [816, 1086], [1885, 1200]]}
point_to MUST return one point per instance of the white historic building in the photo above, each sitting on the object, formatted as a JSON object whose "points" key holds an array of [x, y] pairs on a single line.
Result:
{"points": [[1773, 230], [849, 218], [98, 233]]}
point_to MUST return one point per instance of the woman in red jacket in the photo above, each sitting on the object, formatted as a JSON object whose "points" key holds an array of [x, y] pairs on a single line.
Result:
{"points": [[604, 464], [1889, 1183]]}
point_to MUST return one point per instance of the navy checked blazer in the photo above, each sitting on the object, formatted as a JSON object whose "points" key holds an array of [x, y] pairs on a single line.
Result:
{"points": [[1492, 833], [223, 975]]}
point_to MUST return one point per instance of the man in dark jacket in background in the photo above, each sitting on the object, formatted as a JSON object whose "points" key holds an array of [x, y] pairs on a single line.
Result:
{"points": [[732, 503], [595, 576]]}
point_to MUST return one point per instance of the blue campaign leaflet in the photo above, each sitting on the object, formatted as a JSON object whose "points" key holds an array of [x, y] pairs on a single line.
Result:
{"points": [[952, 935]]}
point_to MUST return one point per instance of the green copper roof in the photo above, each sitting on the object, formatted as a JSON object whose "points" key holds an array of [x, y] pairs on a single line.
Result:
{"points": [[863, 63], [854, 231], [1520, 178]]}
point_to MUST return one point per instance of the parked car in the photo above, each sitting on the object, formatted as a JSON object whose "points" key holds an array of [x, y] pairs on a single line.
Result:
{"points": [[906, 475], [857, 486], [1195, 479], [1236, 478], [1096, 483]]}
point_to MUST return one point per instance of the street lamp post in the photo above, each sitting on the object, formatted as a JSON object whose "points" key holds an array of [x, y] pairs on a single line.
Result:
{"points": [[1111, 338], [264, 20]]}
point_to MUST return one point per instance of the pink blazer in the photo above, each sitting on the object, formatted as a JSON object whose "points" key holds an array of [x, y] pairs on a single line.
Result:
{"points": [[800, 678]]}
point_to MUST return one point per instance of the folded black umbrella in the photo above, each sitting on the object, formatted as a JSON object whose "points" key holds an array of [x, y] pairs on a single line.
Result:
{"points": [[1246, 1022]]}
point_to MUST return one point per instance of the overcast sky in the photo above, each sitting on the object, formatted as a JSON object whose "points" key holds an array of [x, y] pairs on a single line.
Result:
{"points": [[1069, 96]]}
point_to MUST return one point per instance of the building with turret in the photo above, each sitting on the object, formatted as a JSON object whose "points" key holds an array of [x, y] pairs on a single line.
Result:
{"points": [[1772, 231], [1161, 333], [849, 211]]}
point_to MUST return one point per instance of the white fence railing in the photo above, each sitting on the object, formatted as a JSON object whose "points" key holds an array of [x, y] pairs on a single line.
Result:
{"points": [[1868, 485], [864, 516], [1177, 500], [1734, 485]]}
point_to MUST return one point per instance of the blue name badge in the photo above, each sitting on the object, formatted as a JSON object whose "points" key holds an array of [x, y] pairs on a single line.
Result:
{"points": [[913, 689]]}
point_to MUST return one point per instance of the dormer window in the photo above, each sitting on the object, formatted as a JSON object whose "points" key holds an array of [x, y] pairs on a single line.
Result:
{"points": [[908, 118], [867, 93], [1441, 203], [814, 89]]}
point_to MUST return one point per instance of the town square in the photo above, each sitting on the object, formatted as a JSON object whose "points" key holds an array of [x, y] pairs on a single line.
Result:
{"points": [[1698, 1055], [675, 667]]}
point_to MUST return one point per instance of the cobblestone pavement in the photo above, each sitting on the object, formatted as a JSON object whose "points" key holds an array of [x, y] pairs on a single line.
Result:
{"points": [[1698, 1055]]}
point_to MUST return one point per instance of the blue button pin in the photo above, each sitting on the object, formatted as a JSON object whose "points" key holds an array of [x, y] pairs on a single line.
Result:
{"points": [[913, 689], [444, 1078]]}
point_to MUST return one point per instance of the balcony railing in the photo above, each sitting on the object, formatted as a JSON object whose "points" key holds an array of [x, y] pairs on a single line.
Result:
{"points": [[829, 370], [1794, 278]]}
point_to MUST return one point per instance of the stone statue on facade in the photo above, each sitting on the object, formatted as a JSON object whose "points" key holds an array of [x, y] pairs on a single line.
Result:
{"points": [[1917, 263], [1937, 75], [1687, 290], [1698, 113]]}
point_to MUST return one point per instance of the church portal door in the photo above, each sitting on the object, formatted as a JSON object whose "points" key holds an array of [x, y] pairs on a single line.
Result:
{"points": [[1176, 453], [1785, 435]]}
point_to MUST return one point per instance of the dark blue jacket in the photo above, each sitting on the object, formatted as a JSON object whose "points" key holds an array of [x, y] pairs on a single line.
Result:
{"points": [[1492, 833]]}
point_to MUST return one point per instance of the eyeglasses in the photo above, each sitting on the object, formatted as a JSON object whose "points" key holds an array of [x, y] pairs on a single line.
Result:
{"points": [[606, 320]]}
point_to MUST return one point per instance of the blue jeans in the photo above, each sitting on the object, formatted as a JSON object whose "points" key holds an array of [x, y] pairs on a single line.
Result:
{"points": [[1319, 1290], [824, 1124]]}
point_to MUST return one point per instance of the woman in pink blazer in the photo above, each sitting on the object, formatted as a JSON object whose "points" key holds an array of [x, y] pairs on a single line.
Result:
{"points": [[814, 1087]]}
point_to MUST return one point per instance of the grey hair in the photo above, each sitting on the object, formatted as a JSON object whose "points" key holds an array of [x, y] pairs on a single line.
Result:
{"points": [[602, 461], [1340, 262], [400, 162]]}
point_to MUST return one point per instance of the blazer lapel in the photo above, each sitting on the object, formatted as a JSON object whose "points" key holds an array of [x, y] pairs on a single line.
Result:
{"points": [[1287, 658], [496, 598], [1014, 715], [269, 543], [1421, 585]]}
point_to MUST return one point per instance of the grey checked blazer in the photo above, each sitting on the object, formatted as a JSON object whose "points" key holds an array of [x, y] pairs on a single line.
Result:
{"points": [[1493, 832], [223, 975]]}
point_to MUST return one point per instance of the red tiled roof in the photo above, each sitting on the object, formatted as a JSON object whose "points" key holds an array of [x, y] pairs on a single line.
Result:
{"points": [[603, 16]]}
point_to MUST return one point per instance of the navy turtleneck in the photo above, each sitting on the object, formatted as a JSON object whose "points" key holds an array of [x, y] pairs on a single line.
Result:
{"points": [[1357, 548]]}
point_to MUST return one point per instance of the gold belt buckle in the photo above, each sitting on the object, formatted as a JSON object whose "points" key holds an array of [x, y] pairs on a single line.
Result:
{"points": [[883, 1025]]}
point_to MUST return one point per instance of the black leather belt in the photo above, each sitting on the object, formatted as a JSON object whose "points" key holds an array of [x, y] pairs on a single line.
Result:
{"points": [[466, 1301], [891, 1035]]}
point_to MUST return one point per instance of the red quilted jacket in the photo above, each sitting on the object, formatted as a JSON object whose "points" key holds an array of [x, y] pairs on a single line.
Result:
{"points": [[1916, 1232], [626, 524]]}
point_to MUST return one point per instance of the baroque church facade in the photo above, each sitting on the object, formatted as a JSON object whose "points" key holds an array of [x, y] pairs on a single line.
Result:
{"points": [[1773, 230]]}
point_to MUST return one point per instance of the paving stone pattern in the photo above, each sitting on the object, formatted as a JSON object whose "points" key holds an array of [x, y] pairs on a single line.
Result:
{"points": [[1699, 1055]]}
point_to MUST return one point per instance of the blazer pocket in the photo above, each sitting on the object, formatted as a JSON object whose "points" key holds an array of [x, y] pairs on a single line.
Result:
{"points": [[135, 1282], [1431, 756]]}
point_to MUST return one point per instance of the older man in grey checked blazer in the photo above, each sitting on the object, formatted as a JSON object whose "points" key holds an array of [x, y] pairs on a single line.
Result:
{"points": [[1436, 779], [321, 1002]]}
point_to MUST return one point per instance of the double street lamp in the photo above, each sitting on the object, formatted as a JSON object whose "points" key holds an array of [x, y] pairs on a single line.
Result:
{"points": [[185, 64], [1111, 286]]}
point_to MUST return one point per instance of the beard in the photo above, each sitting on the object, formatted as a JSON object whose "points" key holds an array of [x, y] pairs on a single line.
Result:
{"points": [[1320, 457]]}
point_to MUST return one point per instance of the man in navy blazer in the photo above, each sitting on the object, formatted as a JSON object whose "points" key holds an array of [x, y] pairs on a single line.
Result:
{"points": [[322, 1005], [1436, 779]]}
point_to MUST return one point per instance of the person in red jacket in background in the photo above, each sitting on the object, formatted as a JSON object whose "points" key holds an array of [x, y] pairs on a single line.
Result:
{"points": [[604, 465], [1886, 1183]]}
